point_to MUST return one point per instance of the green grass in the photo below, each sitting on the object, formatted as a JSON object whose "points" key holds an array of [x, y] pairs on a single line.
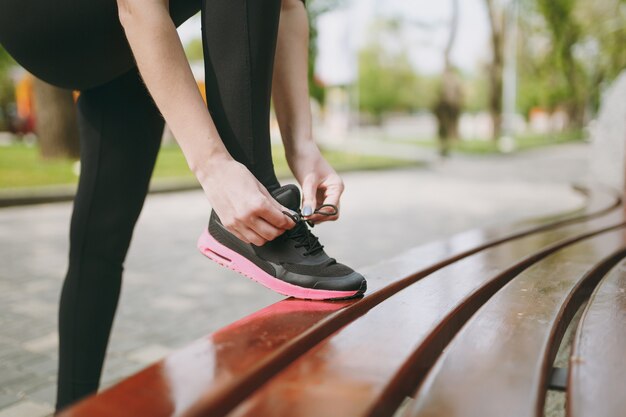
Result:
{"points": [[485, 147], [21, 166]]}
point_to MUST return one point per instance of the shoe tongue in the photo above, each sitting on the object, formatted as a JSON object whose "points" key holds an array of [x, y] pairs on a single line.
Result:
{"points": [[288, 195]]}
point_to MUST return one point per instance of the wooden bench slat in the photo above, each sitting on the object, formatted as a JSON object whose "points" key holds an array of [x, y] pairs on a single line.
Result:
{"points": [[208, 363], [597, 380], [138, 392], [259, 329], [500, 362], [599, 200], [230, 381], [346, 374]]}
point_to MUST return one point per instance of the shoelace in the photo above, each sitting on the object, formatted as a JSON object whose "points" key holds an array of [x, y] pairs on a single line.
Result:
{"points": [[301, 233]]}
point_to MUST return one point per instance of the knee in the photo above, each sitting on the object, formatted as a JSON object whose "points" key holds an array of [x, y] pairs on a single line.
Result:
{"points": [[103, 235]]}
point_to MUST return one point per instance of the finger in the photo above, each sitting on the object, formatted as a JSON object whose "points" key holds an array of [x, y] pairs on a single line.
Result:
{"points": [[314, 217], [317, 217], [326, 218], [309, 192], [320, 219], [333, 197], [273, 214], [238, 235], [251, 236], [265, 229]]}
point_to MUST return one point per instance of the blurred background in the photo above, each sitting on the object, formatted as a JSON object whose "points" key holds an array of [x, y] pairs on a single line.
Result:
{"points": [[441, 116], [472, 76]]}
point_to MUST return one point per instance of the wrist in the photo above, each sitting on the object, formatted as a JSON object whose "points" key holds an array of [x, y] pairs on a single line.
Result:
{"points": [[205, 169], [303, 147]]}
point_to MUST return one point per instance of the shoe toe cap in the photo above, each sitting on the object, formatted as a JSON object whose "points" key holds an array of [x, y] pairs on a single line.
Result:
{"points": [[351, 282]]}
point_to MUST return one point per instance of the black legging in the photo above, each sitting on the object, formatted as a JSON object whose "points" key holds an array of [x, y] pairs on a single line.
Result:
{"points": [[81, 45]]}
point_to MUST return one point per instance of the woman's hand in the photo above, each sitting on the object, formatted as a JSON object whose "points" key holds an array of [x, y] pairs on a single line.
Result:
{"points": [[243, 204], [320, 182]]}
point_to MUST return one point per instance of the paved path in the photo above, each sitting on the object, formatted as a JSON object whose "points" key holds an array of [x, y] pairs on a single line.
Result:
{"points": [[172, 294]]}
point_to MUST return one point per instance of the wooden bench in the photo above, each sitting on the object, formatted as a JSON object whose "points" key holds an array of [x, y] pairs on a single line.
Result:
{"points": [[465, 326]]}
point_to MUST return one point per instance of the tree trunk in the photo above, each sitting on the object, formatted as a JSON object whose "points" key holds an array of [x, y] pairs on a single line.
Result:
{"points": [[496, 21], [495, 98], [576, 106], [56, 125]]}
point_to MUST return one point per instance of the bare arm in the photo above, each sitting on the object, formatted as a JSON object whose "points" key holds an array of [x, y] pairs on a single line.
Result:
{"points": [[290, 82], [163, 66], [290, 92], [243, 204]]}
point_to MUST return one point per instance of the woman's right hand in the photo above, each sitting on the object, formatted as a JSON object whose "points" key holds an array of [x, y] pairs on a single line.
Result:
{"points": [[243, 204]]}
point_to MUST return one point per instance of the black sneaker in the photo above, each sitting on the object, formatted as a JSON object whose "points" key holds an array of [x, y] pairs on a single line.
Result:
{"points": [[293, 264]]}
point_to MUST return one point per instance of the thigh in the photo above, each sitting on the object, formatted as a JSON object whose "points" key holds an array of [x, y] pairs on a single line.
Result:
{"points": [[120, 131], [73, 44]]}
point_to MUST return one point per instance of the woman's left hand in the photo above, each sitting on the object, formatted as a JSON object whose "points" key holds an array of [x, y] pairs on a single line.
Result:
{"points": [[319, 181]]}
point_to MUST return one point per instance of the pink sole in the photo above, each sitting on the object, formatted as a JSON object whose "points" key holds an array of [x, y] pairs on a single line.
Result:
{"points": [[227, 257]]}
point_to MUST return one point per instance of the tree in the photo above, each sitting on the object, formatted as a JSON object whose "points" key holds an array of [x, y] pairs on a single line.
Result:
{"points": [[56, 124], [449, 103], [7, 92], [571, 51], [496, 22], [601, 51], [387, 82], [565, 33], [55, 113]]}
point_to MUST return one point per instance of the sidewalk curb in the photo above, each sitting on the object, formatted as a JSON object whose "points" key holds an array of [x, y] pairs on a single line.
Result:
{"points": [[25, 196], [60, 193]]}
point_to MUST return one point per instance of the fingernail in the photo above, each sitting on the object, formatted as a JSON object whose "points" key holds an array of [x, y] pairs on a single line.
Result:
{"points": [[307, 211]]}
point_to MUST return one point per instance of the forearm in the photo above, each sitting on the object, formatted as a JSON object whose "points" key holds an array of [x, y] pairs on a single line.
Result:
{"points": [[290, 89], [165, 70]]}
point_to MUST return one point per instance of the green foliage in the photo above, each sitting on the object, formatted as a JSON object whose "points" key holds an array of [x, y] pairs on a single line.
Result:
{"points": [[194, 51], [601, 51], [569, 51], [476, 92], [386, 82], [5, 61], [565, 33], [7, 90]]}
